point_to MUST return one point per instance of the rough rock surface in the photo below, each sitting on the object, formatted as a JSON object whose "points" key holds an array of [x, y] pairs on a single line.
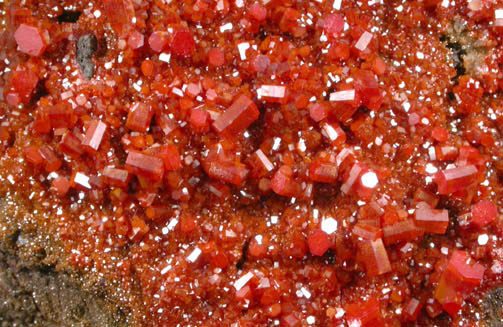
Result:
{"points": [[35, 294], [493, 308], [86, 47]]}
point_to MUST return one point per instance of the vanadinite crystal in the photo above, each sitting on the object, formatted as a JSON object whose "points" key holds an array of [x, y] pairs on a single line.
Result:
{"points": [[261, 162]]}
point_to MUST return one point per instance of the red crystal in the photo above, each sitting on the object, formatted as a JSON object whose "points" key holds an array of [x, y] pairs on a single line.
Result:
{"points": [[24, 83], [440, 134], [139, 117], [120, 14], [200, 120], [318, 242], [233, 173], [412, 309], [182, 43], [333, 24], [171, 157], [431, 220], [81, 181], [216, 57], [116, 177], [300, 153], [323, 172], [61, 115], [71, 145], [138, 229], [94, 135], [364, 314], [318, 111], [260, 63], [158, 41], [374, 256], [241, 114], [136, 40], [258, 12], [366, 231], [61, 185], [483, 213], [367, 90], [145, 165], [260, 164], [272, 93], [33, 155], [334, 133], [283, 182], [31, 40], [458, 280], [401, 231], [455, 179], [51, 161], [166, 124]]}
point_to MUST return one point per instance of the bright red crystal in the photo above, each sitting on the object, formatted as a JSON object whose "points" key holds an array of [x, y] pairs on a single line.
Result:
{"points": [[145, 165], [182, 43], [401, 231], [23, 83], [333, 24], [71, 144], [31, 40], [241, 114], [364, 314], [258, 12], [459, 279], [455, 179], [51, 161], [158, 41], [171, 157], [94, 135], [216, 57], [323, 172], [260, 164], [61, 115], [61, 185], [440, 134], [318, 112], [483, 213], [365, 231], [116, 177], [200, 120], [135, 40], [33, 155], [368, 93], [283, 182], [318, 242], [120, 14], [139, 117], [431, 220], [334, 133], [374, 256], [412, 309], [228, 172], [272, 93]]}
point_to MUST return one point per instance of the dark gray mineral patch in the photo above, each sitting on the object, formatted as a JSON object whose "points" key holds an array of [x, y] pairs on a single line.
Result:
{"points": [[86, 47]]}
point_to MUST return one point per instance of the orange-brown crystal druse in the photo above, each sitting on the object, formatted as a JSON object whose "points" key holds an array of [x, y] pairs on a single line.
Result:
{"points": [[262, 163]]}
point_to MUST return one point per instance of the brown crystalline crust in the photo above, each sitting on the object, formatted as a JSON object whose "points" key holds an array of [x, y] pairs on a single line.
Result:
{"points": [[34, 294], [38, 288]]}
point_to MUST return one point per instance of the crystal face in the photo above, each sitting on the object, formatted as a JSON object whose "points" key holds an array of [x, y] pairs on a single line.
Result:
{"points": [[94, 135], [241, 114], [30, 40], [461, 277]]}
